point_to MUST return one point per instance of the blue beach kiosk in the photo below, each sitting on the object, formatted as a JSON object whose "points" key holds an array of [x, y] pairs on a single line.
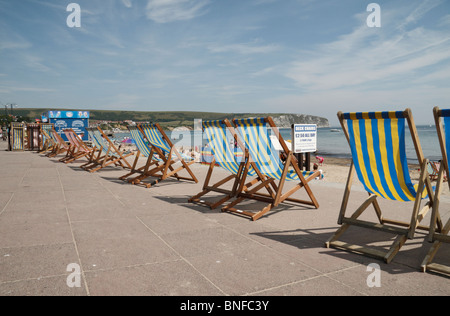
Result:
{"points": [[76, 120]]}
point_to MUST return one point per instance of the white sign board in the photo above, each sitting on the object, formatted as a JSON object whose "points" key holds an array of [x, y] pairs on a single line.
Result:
{"points": [[304, 138]]}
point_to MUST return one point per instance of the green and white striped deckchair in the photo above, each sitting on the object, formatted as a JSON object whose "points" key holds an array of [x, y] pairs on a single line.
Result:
{"points": [[219, 134], [108, 153], [145, 150], [255, 134], [169, 155], [377, 143], [438, 234]]}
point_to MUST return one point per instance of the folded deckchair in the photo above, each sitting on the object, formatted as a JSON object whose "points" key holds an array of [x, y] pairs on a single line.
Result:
{"points": [[47, 141], [17, 136], [255, 134], [439, 235], [218, 135], [108, 154], [377, 143], [145, 150], [166, 151], [60, 146], [78, 149]]}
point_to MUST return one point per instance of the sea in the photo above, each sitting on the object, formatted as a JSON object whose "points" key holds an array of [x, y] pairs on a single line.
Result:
{"points": [[331, 141]]}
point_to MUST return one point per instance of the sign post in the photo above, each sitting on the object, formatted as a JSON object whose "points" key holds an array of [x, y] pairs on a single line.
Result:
{"points": [[304, 141], [76, 120]]}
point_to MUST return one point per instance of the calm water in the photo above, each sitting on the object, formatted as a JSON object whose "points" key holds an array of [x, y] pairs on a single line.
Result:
{"points": [[329, 143]]}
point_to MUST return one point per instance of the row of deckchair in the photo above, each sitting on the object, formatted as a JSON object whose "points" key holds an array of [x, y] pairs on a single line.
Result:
{"points": [[163, 159], [377, 143], [256, 170]]}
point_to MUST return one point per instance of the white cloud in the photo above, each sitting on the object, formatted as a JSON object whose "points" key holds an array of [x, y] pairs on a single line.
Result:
{"points": [[164, 11], [127, 3], [371, 56], [243, 48]]}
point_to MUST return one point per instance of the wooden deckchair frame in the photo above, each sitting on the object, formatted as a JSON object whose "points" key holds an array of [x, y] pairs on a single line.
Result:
{"points": [[60, 147], [166, 169], [78, 149], [239, 177], [275, 195], [437, 235], [402, 230], [48, 143], [113, 156], [151, 160]]}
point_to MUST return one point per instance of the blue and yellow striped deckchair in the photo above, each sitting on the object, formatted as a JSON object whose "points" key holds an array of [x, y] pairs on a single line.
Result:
{"points": [[255, 134], [439, 234], [145, 150], [219, 134], [166, 151], [377, 142], [105, 147]]}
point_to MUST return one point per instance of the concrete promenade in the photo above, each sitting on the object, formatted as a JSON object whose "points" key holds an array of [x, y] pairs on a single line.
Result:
{"points": [[129, 240]]}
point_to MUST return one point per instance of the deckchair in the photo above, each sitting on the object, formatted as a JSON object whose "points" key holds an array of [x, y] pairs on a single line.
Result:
{"points": [[17, 136], [377, 143], [255, 134], [145, 150], [78, 149], [438, 235], [166, 151], [108, 154], [47, 141], [60, 147], [218, 135]]}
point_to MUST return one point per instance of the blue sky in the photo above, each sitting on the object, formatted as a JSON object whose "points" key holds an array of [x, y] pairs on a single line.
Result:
{"points": [[293, 56]]}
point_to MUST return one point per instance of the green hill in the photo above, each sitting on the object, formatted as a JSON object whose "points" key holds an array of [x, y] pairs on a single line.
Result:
{"points": [[179, 118]]}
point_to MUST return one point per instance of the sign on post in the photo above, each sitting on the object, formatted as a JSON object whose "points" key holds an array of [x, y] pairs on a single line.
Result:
{"points": [[304, 138]]}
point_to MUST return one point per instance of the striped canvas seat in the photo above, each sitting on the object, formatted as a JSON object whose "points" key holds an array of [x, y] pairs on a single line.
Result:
{"points": [[154, 136], [47, 140], [162, 146], [96, 138], [439, 234], [60, 145], [108, 153], [270, 169], [219, 134], [18, 136], [145, 150], [378, 146], [377, 142], [78, 149], [256, 135], [224, 156]]}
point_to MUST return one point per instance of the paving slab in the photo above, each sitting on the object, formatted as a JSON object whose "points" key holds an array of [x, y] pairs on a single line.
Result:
{"points": [[131, 240]]}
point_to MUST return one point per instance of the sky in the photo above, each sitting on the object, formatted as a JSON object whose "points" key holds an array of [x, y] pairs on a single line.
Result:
{"points": [[228, 56]]}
